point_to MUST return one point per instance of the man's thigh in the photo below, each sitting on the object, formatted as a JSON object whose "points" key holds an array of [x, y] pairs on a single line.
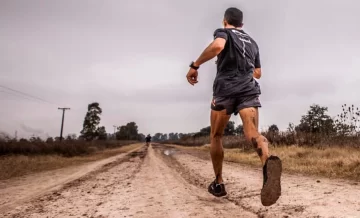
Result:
{"points": [[226, 104], [245, 102], [221, 110], [219, 120]]}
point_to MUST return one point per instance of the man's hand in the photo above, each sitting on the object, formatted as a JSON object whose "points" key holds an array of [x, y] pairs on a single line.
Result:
{"points": [[257, 73], [192, 76]]}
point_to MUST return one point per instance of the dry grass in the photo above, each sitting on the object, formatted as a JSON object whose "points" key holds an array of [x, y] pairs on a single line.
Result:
{"points": [[19, 165], [333, 162], [330, 162], [68, 148]]}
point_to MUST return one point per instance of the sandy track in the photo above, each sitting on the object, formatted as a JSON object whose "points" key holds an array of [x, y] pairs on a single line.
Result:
{"points": [[301, 196], [16, 191], [164, 182]]}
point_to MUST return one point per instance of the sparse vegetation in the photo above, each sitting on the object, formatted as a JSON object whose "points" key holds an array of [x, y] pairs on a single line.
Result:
{"points": [[18, 157], [318, 145], [93, 137], [330, 162], [67, 148], [316, 128], [19, 165]]}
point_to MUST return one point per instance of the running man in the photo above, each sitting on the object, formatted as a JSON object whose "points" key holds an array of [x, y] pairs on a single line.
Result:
{"points": [[148, 139], [236, 91]]}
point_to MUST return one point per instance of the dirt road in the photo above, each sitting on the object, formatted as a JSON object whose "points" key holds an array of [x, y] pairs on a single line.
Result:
{"points": [[162, 181]]}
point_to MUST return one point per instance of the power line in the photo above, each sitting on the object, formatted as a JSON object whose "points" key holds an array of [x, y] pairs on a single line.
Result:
{"points": [[20, 96], [28, 95]]}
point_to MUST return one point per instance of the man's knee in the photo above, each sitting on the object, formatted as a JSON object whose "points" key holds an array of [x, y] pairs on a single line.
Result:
{"points": [[250, 136], [216, 135]]}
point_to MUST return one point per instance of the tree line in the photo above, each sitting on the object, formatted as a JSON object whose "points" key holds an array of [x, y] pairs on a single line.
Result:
{"points": [[314, 126], [91, 129], [316, 121]]}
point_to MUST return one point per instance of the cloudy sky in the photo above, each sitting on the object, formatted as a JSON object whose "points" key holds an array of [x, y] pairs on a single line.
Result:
{"points": [[132, 56]]}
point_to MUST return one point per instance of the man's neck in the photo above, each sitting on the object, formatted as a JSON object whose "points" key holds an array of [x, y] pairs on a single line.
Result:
{"points": [[232, 27]]}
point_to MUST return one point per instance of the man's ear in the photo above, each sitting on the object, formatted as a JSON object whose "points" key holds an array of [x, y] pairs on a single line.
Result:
{"points": [[225, 23]]}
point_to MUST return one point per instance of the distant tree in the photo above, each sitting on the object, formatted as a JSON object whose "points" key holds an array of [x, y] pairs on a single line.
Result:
{"points": [[291, 128], [205, 131], [164, 137], [122, 133], [23, 140], [239, 130], [181, 135], [50, 140], [173, 136], [35, 139], [157, 137], [230, 128], [128, 132], [132, 130], [91, 121], [101, 133], [141, 137], [316, 121], [273, 129], [71, 137], [348, 121]]}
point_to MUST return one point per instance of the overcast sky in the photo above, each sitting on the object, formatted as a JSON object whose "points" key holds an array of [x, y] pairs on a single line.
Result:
{"points": [[132, 56]]}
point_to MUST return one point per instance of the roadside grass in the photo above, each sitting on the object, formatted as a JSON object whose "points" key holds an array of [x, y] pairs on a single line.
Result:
{"points": [[67, 148], [20, 165], [330, 162]]}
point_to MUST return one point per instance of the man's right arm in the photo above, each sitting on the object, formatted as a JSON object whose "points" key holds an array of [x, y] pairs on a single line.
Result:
{"points": [[257, 70]]}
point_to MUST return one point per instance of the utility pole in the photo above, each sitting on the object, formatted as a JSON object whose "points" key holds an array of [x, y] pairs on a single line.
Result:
{"points": [[114, 131], [62, 121]]}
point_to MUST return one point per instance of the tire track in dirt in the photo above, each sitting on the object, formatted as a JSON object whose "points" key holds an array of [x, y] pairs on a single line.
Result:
{"points": [[137, 186], [84, 194], [158, 191], [23, 189], [301, 196], [195, 178]]}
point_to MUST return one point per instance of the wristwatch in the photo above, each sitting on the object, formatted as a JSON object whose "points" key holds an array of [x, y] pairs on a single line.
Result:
{"points": [[193, 66]]}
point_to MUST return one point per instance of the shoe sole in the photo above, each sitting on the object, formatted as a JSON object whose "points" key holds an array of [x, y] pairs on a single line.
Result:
{"points": [[217, 194], [271, 191]]}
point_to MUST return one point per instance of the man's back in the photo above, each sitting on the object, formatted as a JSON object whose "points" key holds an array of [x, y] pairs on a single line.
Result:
{"points": [[236, 64]]}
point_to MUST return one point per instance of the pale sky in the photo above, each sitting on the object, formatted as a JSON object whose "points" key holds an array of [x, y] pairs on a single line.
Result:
{"points": [[132, 56]]}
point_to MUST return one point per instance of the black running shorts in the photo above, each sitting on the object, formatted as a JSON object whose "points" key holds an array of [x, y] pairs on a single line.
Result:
{"points": [[234, 104]]}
